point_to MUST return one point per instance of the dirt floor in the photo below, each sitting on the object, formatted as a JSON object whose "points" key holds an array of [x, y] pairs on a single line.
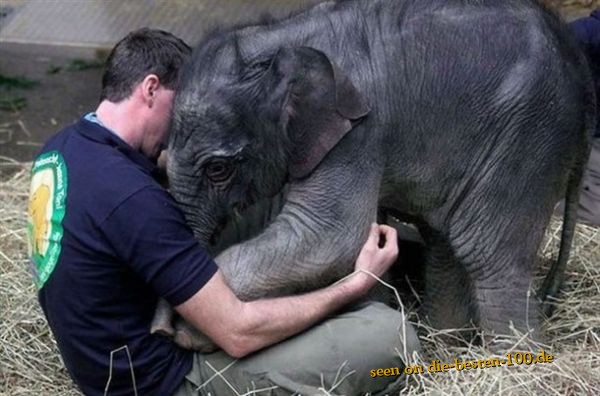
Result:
{"points": [[54, 86], [46, 87]]}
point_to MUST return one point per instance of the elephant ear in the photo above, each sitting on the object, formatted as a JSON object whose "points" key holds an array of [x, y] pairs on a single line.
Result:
{"points": [[317, 105]]}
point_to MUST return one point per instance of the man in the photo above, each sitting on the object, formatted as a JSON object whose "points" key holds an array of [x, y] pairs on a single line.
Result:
{"points": [[587, 32], [114, 241]]}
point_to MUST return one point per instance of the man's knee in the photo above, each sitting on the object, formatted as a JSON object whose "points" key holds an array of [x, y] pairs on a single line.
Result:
{"points": [[372, 337], [381, 335], [338, 354]]}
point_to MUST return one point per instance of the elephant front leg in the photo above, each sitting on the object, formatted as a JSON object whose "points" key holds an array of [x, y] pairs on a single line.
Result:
{"points": [[313, 242], [288, 259]]}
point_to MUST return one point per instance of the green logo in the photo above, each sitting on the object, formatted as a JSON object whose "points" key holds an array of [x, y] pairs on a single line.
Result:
{"points": [[45, 213]]}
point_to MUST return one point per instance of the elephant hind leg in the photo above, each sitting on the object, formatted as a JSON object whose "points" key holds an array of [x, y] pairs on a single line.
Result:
{"points": [[497, 244], [503, 283], [448, 302]]}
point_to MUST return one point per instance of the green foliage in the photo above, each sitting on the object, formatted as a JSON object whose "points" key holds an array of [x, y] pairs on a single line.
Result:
{"points": [[53, 69], [75, 65], [13, 104], [8, 84], [80, 64], [18, 82]]}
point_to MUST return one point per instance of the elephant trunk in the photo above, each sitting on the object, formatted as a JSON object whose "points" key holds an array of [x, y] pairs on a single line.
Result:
{"points": [[200, 211]]}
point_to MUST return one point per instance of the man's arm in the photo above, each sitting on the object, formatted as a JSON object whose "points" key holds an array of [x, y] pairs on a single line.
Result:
{"points": [[241, 327]]}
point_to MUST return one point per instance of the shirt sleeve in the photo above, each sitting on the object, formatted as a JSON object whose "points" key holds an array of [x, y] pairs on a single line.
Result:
{"points": [[148, 232]]}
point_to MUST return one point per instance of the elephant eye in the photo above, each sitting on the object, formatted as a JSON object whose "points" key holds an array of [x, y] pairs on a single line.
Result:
{"points": [[219, 170]]}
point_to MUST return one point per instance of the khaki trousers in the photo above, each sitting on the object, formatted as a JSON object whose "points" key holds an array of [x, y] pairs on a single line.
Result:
{"points": [[334, 357]]}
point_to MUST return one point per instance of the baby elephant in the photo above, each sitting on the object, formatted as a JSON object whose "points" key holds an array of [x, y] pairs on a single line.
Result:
{"points": [[470, 119]]}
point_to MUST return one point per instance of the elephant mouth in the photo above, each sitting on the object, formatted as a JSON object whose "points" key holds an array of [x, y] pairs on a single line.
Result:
{"points": [[234, 215], [214, 237], [243, 218]]}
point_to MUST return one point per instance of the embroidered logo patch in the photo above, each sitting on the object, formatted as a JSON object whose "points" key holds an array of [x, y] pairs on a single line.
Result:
{"points": [[45, 213]]}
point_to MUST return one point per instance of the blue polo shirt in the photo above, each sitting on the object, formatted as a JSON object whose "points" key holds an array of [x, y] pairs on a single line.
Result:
{"points": [[106, 240]]}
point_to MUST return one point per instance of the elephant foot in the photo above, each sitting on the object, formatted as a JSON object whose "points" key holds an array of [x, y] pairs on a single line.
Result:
{"points": [[454, 334], [509, 310], [187, 337], [502, 344], [163, 317], [162, 329]]}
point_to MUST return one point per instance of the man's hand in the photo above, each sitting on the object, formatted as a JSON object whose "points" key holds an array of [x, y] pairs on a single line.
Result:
{"points": [[375, 257]]}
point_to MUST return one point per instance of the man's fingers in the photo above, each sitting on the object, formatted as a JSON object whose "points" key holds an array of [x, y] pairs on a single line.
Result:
{"points": [[381, 237], [391, 237], [389, 233], [380, 250]]}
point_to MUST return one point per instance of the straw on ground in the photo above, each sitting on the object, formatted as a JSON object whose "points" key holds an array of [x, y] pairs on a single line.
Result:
{"points": [[30, 363]]}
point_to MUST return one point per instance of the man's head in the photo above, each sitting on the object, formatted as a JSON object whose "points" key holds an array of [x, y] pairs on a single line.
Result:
{"points": [[138, 86], [141, 53]]}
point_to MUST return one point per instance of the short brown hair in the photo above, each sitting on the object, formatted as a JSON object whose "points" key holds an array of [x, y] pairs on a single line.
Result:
{"points": [[142, 52]]}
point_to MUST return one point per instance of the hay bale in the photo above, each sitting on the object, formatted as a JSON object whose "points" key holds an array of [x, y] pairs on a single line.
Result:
{"points": [[31, 365]]}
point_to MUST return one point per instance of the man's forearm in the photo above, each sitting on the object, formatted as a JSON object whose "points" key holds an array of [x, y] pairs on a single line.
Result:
{"points": [[268, 321]]}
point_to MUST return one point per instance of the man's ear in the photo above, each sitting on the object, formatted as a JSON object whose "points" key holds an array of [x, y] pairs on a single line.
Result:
{"points": [[149, 86], [316, 103]]}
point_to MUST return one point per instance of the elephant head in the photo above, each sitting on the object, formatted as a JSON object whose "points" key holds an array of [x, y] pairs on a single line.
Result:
{"points": [[242, 129]]}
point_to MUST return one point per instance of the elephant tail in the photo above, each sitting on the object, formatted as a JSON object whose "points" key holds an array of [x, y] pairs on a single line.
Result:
{"points": [[555, 276]]}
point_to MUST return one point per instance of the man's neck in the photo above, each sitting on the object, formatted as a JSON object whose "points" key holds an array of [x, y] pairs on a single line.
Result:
{"points": [[122, 119]]}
